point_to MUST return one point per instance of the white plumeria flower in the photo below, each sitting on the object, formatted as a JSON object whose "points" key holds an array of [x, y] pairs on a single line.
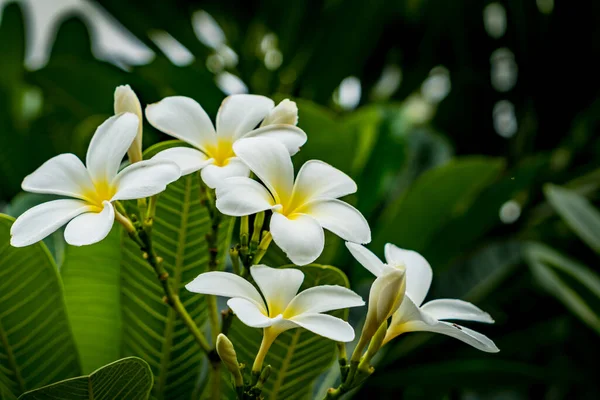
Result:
{"points": [[213, 152], [283, 307], [301, 209], [412, 316], [92, 187], [127, 101]]}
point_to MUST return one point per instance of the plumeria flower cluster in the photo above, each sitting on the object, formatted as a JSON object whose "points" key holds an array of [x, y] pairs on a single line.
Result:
{"points": [[247, 158]]}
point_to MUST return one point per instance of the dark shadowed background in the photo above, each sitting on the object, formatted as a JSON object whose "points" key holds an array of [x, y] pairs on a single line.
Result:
{"points": [[452, 116]]}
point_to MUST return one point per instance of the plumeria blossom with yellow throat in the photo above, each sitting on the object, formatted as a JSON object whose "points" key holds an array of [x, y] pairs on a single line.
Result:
{"points": [[301, 208], [238, 117], [91, 188], [412, 315], [283, 308]]}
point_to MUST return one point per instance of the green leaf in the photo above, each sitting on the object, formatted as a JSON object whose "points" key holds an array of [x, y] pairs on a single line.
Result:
{"points": [[127, 379], [91, 277], [151, 329], [298, 356], [412, 221], [36, 342], [577, 212], [551, 268]]}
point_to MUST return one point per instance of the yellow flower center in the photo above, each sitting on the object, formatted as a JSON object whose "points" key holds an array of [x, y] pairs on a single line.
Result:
{"points": [[102, 191], [221, 152]]}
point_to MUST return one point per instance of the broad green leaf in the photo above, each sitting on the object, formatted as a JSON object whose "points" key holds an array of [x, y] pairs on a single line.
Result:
{"points": [[546, 264], [36, 341], [577, 212], [151, 329], [127, 379], [91, 277], [298, 356], [412, 221]]}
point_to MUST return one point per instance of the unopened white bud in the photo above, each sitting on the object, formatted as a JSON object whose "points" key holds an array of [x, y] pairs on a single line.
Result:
{"points": [[385, 297], [127, 101], [286, 112]]}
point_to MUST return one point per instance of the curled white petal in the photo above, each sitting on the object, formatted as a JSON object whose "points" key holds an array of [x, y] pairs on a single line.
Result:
{"points": [[290, 136], [91, 227], [324, 298], [227, 285], [42, 220], [63, 175], [109, 145], [366, 258], [188, 160], [144, 179], [326, 325], [456, 309], [317, 179], [271, 162], [215, 175], [242, 196], [241, 113], [418, 271], [286, 112], [249, 313], [182, 118], [466, 335], [301, 237], [278, 285], [340, 218]]}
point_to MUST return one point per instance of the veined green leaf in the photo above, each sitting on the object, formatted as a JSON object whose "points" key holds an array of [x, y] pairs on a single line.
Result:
{"points": [[36, 342], [298, 356], [434, 198], [577, 212], [91, 277], [127, 379], [151, 329], [546, 262]]}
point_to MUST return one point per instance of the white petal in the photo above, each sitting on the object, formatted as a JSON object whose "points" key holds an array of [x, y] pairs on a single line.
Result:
{"points": [[64, 175], [286, 112], [278, 285], [271, 162], [301, 238], [317, 179], [290, 136], [456, 309], [91, 227], [184, 119], [242, 196], [109, 145], [145, 179], [214, 175], [188, 160], [241, 113], [323, 298], [469, 336], [326, 325], [227, 285], [385, 296], [249, 313], [340, 218], [366, 258], [418, 271], [127, 101], [42, 220]]}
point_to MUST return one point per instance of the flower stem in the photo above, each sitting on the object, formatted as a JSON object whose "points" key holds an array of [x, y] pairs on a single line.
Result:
{"points": [[215, 382], [265, 345], [262, 248], [143, 239]]}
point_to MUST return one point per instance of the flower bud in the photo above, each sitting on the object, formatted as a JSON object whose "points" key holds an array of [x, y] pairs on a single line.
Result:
{"points": [[127, 101], [386, 295], [286, 112], [229, 357]]}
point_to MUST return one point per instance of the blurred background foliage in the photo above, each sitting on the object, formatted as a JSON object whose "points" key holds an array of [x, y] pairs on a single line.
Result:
{"points": [[451, 116]]}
